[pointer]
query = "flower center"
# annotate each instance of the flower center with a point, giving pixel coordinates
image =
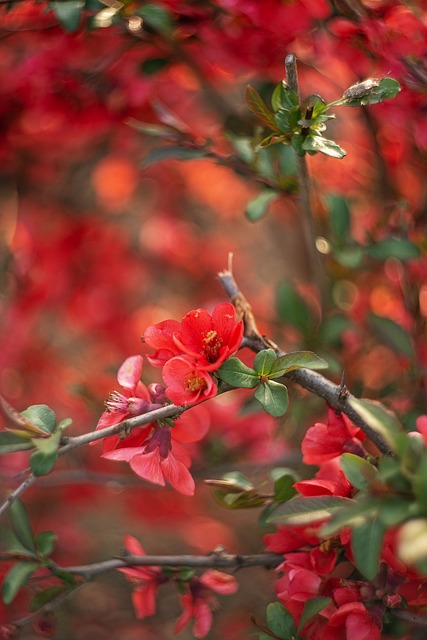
(194, 383)
(212, 345)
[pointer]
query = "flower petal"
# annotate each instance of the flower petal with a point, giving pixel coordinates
(130, 372)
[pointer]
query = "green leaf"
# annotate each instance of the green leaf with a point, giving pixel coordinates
(358, 471)
(237, 374)
(292, 308)
(391, 334)
(317, 143)
(21, 525)
(305, 510)
(274, 398)
(258, 206)
(172, 153)
(350, 255)
(48, 446)
(284, 489)
(156, 17)
(42, 463)
(371, 91)
(11, 442)
(153, 65)
(399, 248)
(283, 97)
(395, 510)
(45, 542)
(353, 513)
(311, 608)
(280, 621)
(296, 360)
(366, 542)
(15, 578)
(258, 107)
(43, 597)
(380, 419)
(264, 361)
(68, 13)
(64, 424)
(41, 416)
(339, 216)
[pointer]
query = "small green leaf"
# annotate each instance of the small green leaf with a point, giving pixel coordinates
(68, 13)
(274, 398)
(48, 446)
(16, 548)
(350, 255)
(172, 153)
(296, 360)
(280, 621)
(41, 415)
(21, 525)
(11, 442)
(258, 107)
(379, 418)
(64, 424)
(311, 608)
(15, 578)
(284, 488)
(358, 471)
(43, 597)
(366, 542)
(156, 17)
(153, 65)
(283, 97)
(391, 334)
(292, 308)
(237, 374)
(305, 510)
(45, 542)
(353, 513)
(371, 91)
(330, 148)
(399, 248)
(264, 361)
(258, 206)
(42, 463)
(339, 216)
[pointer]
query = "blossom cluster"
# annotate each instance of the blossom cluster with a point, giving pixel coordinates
(317, 565)
(189, 351)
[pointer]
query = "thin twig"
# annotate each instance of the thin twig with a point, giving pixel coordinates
(304, 192)
(218, 560)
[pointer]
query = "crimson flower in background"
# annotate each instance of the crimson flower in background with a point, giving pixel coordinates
(145, 581)
(323, 442)
(199, 602)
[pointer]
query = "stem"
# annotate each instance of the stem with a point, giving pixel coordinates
(304, 198)
(213, 560)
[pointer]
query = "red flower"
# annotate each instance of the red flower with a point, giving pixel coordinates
(329, 480)
(199, 602)
(211, 339)
(134, 400)
(323, 442)
(145, 581)
(159, 459)
(352, 621)
(186, 382)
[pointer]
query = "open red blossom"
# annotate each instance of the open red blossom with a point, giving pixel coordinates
(352, 621)
(158, 460)
(186, 382)
(199, 602)
(145, 581)
(210, 339)
(329, 480)
(160, 337)
(323, 442)
(134, 400)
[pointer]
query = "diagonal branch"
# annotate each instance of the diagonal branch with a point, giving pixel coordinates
(335, 395)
